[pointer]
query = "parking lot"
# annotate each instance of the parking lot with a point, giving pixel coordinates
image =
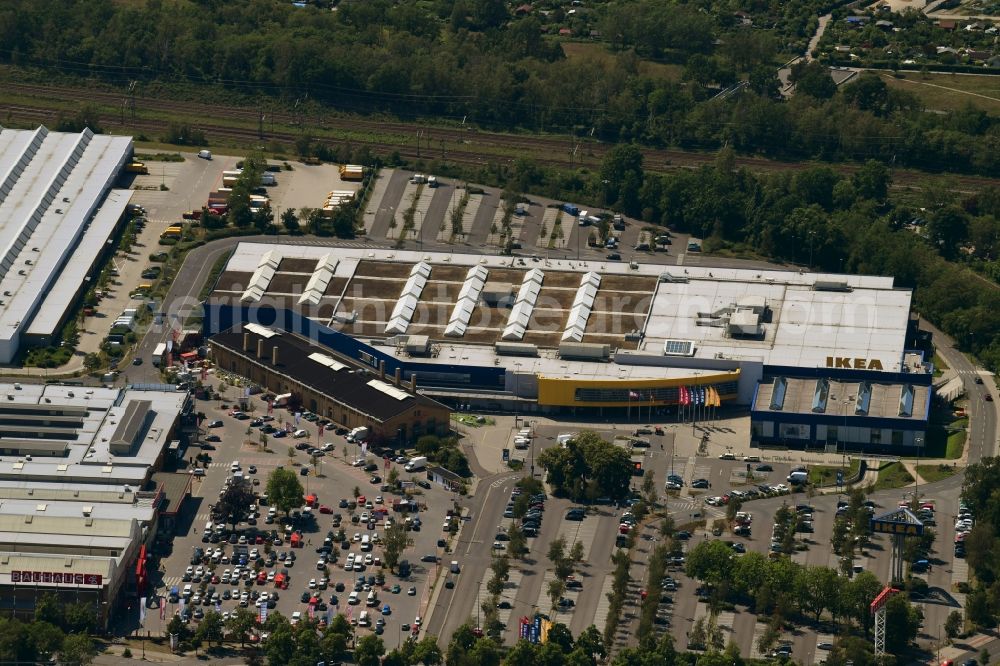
(706, 484)
(332, 482)
(534, 232)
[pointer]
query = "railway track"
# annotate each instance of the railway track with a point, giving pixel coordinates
(460, 145)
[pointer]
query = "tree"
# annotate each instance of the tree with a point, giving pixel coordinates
(576, 552)
(819, 589)
(556, 589)
(78, 649)
(427, 652)
(290, 221)
(92, 362)
(263, 219)
(649, 487)
(953, 624)
(517, 543)
(234, 505)
(764, 81)
(592, 643)
(284, 490)
(902, 622)
(46, 638)
(210, 629)
(622, 177)
(395, 541)
(49, 609)
(368, 651)
(709, 561)
(812, 78)
(241, 623)
(872, 180)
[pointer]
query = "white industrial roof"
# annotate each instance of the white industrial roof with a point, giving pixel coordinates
(51, 185)
(805, 327)
(90, 459)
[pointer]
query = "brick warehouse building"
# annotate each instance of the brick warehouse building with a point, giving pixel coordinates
(348, 394)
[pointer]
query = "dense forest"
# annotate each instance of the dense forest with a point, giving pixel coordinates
(652, 72)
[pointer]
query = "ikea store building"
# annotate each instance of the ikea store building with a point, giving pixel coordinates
(816, 359)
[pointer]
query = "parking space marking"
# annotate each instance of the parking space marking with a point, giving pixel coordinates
(759, 629)
(409, 194)
(171, 581)
(725, 622)
(549, 218)
(375, 201)
(583, 531)
(497, 223)
(819, 656)
(959, 571)
(603, 604)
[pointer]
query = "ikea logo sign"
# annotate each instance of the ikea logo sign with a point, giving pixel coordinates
(853, 363)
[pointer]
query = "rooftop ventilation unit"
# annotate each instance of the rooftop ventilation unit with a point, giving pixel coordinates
(831, 285)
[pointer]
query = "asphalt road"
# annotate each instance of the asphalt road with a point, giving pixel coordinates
(982, 439)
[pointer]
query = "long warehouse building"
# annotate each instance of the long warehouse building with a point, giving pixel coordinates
(57, 212)
(622, 340)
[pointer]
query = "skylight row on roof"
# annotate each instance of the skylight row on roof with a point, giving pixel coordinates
(467, 300)
(399, 321)
(524, 304)
(262, 277)
(321, 277)
(579, 314)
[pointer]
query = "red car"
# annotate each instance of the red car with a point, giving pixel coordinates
(361, 500)
(323, 508)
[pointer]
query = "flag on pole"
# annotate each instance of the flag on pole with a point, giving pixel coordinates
(683, 396)
(716, 401)
(142, 610)
(163, 608)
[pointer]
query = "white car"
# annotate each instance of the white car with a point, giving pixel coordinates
(300, 433)
(417, 621)
(379, 499)
(312, 583)
(360, 462)
(329, 446)
(368, 559)
(244, 600)
(296, 617)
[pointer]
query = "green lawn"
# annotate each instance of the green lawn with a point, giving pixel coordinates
(824, 475)
(939, 365)
(893, 475)
(932, 473)
(472, 421)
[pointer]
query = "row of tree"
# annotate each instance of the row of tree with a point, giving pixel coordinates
(782, 590)
(505, 73)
